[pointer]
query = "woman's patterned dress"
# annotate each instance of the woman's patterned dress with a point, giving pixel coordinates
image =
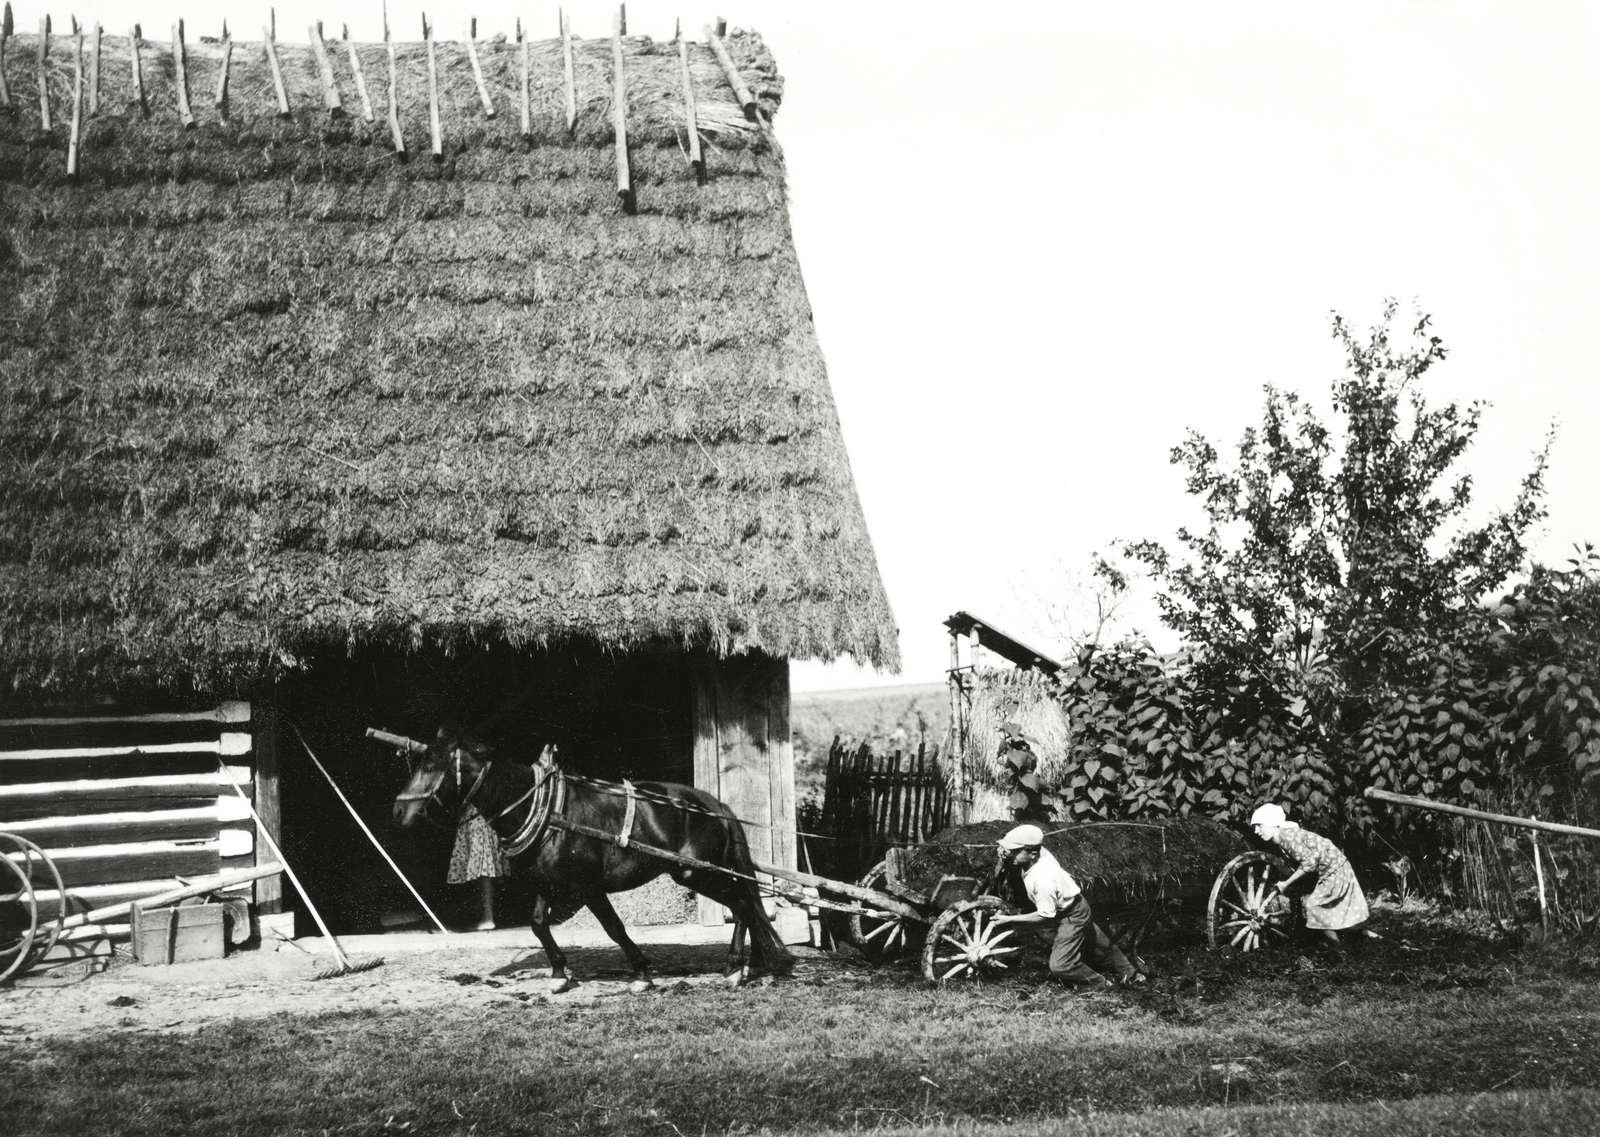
(1335, 901)
(477, 852)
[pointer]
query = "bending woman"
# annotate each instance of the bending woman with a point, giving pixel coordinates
(1335, 902)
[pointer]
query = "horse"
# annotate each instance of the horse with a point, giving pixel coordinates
(551, 825)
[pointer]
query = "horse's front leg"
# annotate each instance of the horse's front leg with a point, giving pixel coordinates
(559, 979)
(600, 905)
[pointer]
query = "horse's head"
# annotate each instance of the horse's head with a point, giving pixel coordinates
(444, 777)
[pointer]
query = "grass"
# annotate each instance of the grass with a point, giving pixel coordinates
(1438, 1030)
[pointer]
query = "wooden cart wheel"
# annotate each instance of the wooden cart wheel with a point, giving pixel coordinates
(885, 937)
(1243, 912)
(965, 944)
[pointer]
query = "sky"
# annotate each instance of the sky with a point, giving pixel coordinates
(1044, 240)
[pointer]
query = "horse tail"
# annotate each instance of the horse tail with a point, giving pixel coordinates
(766, 948)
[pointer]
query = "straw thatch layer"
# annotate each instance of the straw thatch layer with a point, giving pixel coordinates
(265, 390)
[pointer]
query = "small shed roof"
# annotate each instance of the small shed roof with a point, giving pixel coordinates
(1003, 644)
(266, 389)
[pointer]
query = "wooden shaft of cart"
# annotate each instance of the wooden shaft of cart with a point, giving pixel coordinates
(879, 900)
(1481, 815)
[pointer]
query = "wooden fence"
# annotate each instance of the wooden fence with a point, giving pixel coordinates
(873, 802)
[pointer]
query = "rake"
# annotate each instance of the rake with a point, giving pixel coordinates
(345, 966)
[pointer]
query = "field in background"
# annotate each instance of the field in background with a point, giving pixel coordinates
(867, 714)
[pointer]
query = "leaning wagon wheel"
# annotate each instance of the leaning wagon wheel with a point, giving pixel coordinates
(1244, 912)
(964, 942)
(16, 952)
(883, 936)
(30, 853)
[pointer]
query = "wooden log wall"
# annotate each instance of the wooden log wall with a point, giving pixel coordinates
(128, 806)
(872, 803)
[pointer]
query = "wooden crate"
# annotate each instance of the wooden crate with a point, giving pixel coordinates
(178, 935)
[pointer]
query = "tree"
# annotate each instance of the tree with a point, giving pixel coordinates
(1335, 562)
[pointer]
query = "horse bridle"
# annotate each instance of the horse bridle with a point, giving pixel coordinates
(433, 794)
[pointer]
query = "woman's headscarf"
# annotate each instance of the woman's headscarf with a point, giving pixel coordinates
(1272, 815)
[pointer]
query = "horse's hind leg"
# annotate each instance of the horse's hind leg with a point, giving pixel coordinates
(559, 979)
(738, 958)
(600, 905)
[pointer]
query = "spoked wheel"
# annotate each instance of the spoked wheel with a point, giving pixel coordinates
(964, 942)
(884, 936)
(1244, 912)
(20, 941)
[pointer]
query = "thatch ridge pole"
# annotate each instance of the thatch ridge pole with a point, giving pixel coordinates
(227, 61)
(361, 77)
(77, 101)
(44, 80)
(696, 160)
(181, 77)
(735, 80)
(435, 134)
(526, 94)
(619, 113)
(135, 33)
(477, 68)
(572, 84)
(330, 88)
(6, 27)
(94, 71)
(268, 39)
(394, 108)
(1481, 815)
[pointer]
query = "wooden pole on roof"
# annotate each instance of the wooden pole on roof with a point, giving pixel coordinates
(6, 28)
(77, 100)
(477, 68)
(44, 78)
(525, 84)
(361, 78)
(94, 71)
(619, 114)
(134, 35)
(330, 87)
(269, 38)
(394, 105)
(435, 134)
(696, 160)
(227, 61)
(735, 80)
(572, 85)
(722, 26)
(622, 19)
(180, 77)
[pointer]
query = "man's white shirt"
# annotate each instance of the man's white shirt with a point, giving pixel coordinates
(1050, 887)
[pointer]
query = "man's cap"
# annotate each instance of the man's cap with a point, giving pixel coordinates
(1022, 837)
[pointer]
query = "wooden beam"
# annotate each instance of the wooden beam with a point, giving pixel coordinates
(330, 88)
(571, 82)
(696, 161)
(268, 801)
(477, 69)
(735, 80)
(6, 27)
(77, 102)
(141, 860)
(269, 42)
(94, 71)
(707, 752)
(619, 115)
(525, 84)
(157, 898)
(180, 77)
(229, 745)
(44, 74)
(134, 34)
(1480, 815)
(435, 134)
(395, 134)
(232, 711)
(222, 74)
(196, 823)
(361, 77)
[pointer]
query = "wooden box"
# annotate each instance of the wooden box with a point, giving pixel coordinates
(178, 935)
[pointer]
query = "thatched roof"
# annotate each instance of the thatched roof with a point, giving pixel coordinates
(267, 390)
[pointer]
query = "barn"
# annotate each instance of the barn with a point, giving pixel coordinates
(390, 384)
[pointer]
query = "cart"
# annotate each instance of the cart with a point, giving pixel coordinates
(1187, 874)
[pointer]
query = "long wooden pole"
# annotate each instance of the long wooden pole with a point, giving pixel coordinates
(382, 852)
(196, 888)
(691, 121)
(619, 112)
(6, 28)
(180, 77)
(435, 133)
(361, 78)
(1481, 815)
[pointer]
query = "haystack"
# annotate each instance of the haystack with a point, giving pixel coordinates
(1114, 862)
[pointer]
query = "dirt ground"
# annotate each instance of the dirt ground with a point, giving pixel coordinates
(187, 996)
